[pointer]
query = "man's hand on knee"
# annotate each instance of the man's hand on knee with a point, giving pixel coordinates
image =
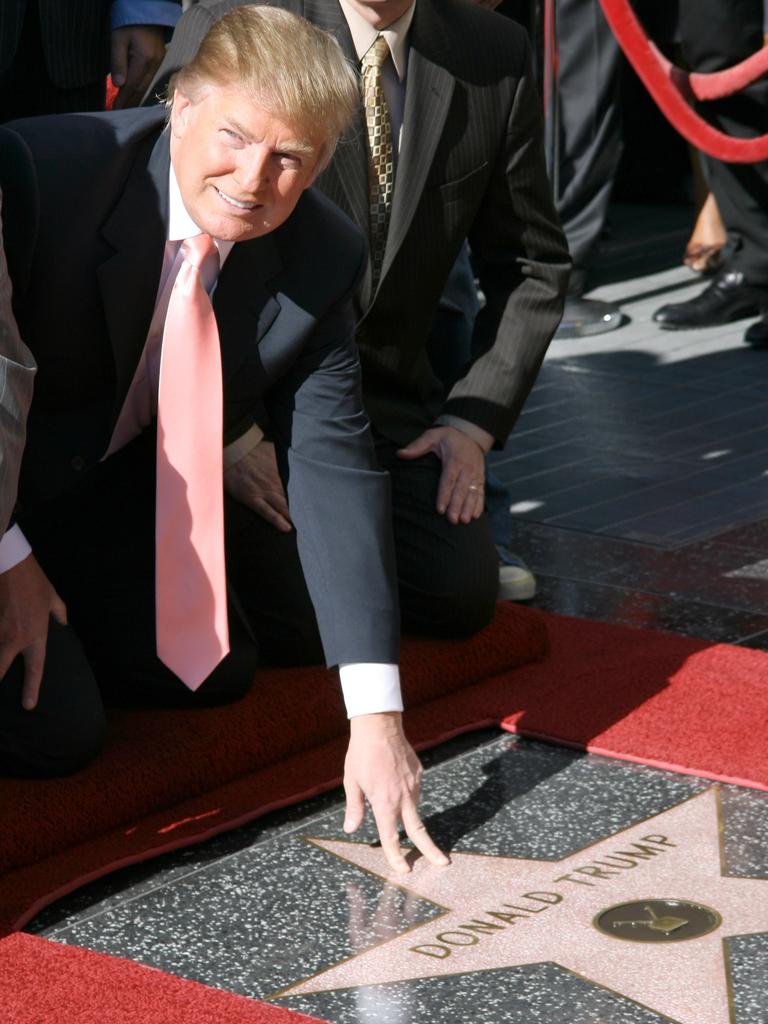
(382, 766)
(255, 483)
(461, 492)
(27, 600)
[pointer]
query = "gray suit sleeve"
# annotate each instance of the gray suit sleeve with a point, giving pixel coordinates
(17, 370)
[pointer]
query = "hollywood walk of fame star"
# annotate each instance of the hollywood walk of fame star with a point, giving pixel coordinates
(510, 912)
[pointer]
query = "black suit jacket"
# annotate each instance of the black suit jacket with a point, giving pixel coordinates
(85, 250)
(471, 165)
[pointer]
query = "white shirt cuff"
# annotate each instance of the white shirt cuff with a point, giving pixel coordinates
(482, 437)
(370, 688)
(243, 446)
(14, 548)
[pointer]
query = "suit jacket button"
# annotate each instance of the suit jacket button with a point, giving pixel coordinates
(78, 463)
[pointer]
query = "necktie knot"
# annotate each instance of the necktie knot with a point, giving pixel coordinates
(199, 249)
(376, 54)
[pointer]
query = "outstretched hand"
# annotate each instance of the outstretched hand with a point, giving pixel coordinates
(255, 482)
(382, 766)
(27, 600)
(461, 491)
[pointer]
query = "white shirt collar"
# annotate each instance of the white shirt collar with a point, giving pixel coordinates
(181, 225)
(364, 35)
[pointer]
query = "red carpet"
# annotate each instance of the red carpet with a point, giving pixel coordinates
(661, 700)
(43, 982)
(171, 778)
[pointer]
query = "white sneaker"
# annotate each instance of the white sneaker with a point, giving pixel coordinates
(516, 581)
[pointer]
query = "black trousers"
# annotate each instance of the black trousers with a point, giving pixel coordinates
(716, 34)
(590, 142)
(96, 544)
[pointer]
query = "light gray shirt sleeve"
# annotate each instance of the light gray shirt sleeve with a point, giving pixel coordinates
(17, 371)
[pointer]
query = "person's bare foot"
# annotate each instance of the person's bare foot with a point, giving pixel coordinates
(702, 253)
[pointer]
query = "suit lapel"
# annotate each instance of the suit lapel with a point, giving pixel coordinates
(244, 306)
(136, 230)
(428, 93)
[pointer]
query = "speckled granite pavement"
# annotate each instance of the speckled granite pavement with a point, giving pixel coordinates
(544, 841)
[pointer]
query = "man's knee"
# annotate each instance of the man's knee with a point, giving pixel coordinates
(454, 596)
(67, 728)
(40, 746)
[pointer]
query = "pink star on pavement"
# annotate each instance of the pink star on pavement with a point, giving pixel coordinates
(508, 912)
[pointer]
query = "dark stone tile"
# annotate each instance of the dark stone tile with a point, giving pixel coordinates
(734, 367)
(568, 553)
(523, 442)
(659, 509)
(544, 396)
(696, 413)
(751, 442)
(524, 460)
(757, 640)
(699, 518)
(706, 572)
(620, 367)
(749, 537)
(627, 606)
(557, 414)
(560, 492)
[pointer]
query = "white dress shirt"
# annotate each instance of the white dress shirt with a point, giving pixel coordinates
(367, 688)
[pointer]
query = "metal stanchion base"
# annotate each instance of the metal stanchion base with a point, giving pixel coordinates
(584, 317)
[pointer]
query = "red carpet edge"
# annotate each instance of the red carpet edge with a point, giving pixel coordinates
(45, 981)
(635, 695)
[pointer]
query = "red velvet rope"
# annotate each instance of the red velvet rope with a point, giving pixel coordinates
(672, 88)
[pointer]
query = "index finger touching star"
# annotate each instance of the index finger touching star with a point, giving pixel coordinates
(417, 832)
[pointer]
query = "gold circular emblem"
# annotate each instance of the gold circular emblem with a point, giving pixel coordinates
(657, 921)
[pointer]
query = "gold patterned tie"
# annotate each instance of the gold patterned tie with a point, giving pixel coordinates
(381, 174)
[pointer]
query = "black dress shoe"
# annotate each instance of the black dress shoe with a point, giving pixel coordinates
(729, 297)
(585, 317)
(757, 334)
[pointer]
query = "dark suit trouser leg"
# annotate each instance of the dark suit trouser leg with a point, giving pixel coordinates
(590, 127)
(66, 730)
(716, 34)
(448, 575)
(97, 548)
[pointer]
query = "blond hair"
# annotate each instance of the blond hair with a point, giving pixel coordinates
(284, 64)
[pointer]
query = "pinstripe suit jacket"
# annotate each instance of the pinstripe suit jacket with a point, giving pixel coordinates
(471, 165)
(74, 36)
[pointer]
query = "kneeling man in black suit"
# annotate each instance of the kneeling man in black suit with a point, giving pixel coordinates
(103, 216)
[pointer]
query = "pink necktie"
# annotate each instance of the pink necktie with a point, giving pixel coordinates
(190, 582)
